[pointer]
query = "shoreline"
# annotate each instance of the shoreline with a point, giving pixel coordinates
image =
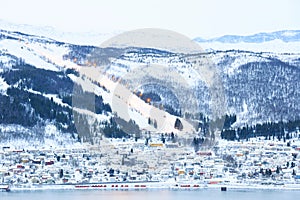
(155, 186)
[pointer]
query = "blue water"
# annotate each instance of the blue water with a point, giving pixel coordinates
(151, 195)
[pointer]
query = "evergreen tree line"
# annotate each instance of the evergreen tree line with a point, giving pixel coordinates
(269, 130)
(29, 109)
(44, 81)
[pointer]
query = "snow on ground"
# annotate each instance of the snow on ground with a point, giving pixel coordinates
(90, 87)
(120, 97)
(53, 56)
(3, 86)
(242, 61)
(6, 62)
(242, 117)
(137, 66)
(93, 116)
(56, 99)
(53, 137)
(237, 59)
(58, 50)
(4, 59)
(289, 58)
(123, 100)
(20, 50)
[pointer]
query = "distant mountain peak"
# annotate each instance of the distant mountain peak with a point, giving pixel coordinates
(284, 35)
(72, 37)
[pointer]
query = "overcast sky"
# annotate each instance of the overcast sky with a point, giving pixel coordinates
(192, 18)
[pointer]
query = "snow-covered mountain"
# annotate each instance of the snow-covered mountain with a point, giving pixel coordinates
(287, 41)
(79, 38)
(43, 83)
(285, 36)
(46, 83)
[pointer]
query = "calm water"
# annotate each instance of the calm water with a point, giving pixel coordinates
(150, 195)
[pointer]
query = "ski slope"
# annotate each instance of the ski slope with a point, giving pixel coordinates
(118, 99)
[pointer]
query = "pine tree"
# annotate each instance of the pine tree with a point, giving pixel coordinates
(178, 125)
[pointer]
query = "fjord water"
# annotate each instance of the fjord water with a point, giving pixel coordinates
(151, 195)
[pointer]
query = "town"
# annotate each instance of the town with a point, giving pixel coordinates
(118, 163)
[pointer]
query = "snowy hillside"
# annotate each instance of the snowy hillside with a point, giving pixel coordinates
(50, 83)
(38, 68)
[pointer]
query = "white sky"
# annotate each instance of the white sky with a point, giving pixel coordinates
(192, 18)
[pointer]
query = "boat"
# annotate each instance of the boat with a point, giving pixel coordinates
(4, 188)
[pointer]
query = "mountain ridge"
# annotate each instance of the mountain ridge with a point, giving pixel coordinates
(260, 87)
(283, 35)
